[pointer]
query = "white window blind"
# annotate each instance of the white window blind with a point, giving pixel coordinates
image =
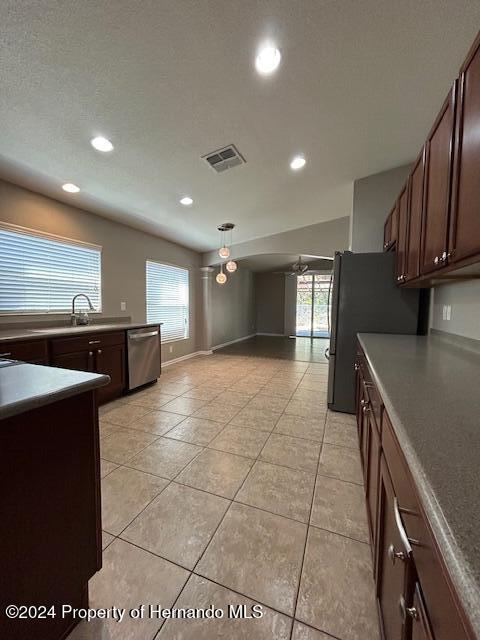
(41, 273)
(167, 299)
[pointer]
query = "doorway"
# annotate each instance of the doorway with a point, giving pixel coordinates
(313, 305)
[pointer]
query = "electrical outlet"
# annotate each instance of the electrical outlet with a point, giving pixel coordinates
(170, 348)
(123, 306)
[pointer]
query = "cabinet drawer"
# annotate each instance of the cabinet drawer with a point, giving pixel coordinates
(26, 351)
(86, 342)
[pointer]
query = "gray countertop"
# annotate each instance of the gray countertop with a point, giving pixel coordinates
(11, 334)
(28, 386)
(431, 392)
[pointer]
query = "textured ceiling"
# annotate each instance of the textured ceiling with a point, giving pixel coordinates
(359, 86)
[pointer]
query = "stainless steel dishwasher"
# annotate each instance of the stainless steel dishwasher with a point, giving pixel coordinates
(143, 352)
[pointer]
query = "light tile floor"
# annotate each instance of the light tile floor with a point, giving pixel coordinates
(230, 483)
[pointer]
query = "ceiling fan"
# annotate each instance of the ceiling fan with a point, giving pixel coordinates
(297, 269)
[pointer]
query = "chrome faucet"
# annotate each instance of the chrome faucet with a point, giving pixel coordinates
(84, 320)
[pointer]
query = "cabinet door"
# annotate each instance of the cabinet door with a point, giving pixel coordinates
(465, 220)
(438, 180)
(81, 361)
(394, 225)
(421, 629)
(372, 474)
(402, 235)
(415, 214)
(111, 361)
(392, 573)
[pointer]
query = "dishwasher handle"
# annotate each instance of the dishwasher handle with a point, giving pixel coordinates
(140, 336)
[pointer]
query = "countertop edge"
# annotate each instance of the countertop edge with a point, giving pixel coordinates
(37, 401)
(455, 562)
(37, 334)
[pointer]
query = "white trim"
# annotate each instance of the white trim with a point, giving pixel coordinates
(225, 344)
(281, 335)
(15, 228)
(186, 357)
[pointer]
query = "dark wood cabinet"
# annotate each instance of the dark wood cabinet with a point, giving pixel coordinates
(438, 180)
(387, 233)
(415, 216)
(96, 352)
(393, 564)
(111, 361)
(32, 351)
(415, 596)
(372, 472)
(421, 629)
(402, 216)
(80, 360)
(465, 220)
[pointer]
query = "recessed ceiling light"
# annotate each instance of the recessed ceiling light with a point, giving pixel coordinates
(101, 144)
(267, 60)
(186, 201)
(70, 187)
(297, 162)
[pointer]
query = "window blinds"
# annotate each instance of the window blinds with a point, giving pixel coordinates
(167, 299)
(41, 274)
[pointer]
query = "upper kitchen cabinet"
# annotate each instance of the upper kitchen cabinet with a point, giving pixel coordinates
(465, 221)
(438, 173)
(402, 234)
(415, 215)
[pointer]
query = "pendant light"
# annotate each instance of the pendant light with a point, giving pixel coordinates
(231, 266)
(221, 278)
(224, 253)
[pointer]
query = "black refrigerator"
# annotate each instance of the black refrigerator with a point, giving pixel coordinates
(365, 299)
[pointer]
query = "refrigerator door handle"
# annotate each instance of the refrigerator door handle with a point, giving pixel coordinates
(327, 353)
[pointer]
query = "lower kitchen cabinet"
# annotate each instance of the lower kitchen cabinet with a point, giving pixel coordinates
(415, 596)
(31, 351)
(96, 352)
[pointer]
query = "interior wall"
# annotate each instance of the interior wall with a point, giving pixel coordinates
(373, 199)
(321, 239)
(464, 301)
(124, 252)
(233, 308)
(270, 303)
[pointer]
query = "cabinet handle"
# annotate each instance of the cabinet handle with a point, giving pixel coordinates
(5, 355)
(394, 555)
(90, 354)
(405, 611)
(368, 385)
(99, 351)
(401, 530)
(356, 367)
(436, 260)
(95, 342)
(443, 257)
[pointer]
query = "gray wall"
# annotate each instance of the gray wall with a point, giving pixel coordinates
(233, 308)
(321, 239)
(464, 299)
(125, 251)
(373, 199)
(270, 302)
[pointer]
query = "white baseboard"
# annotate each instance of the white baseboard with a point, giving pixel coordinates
(225, 344)
(186, 357)
(278, 335)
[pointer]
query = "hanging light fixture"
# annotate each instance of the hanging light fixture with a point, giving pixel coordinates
(231, 266)
(221, 278)
(224, 251)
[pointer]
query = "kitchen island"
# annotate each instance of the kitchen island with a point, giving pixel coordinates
(50, 495)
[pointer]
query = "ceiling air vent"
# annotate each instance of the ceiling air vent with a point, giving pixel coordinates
(225, 158)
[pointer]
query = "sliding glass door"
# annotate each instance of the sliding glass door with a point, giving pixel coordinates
(313, 305)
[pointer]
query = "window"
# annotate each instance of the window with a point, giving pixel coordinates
(40, 273)
(167, 299)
